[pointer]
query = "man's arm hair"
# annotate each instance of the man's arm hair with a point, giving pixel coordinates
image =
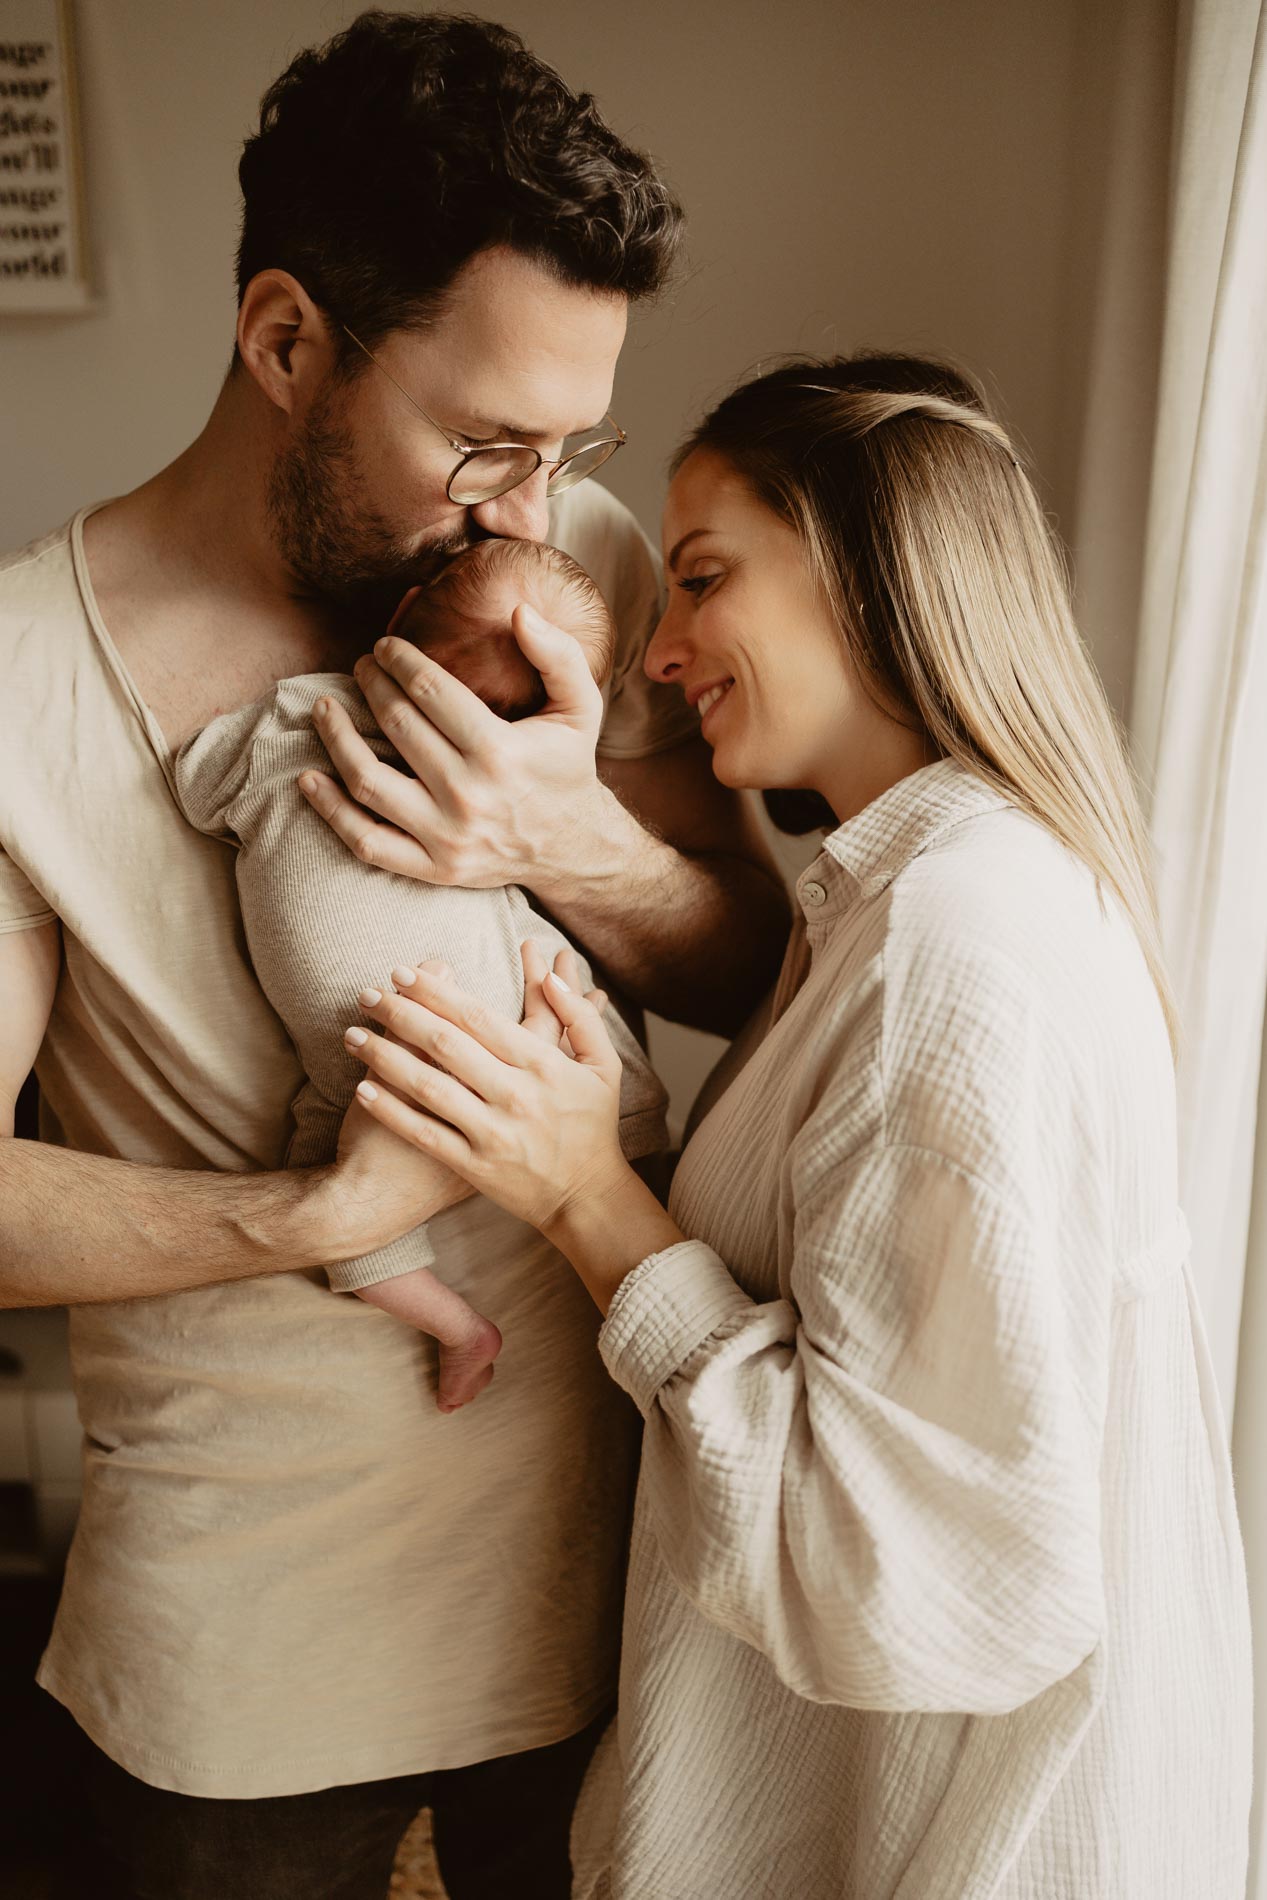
(77, 1228)
(682, 903)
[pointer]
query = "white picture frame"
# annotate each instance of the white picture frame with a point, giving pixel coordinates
(44, 267)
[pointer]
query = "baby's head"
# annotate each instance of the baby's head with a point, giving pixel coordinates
(462, 619)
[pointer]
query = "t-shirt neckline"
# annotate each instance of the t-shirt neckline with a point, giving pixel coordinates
(110, 652)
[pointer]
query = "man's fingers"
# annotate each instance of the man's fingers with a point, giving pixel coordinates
(367, 838)
(402, 798)
(426, 688)
(570, 690)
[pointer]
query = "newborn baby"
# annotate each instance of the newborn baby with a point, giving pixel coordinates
(320, 925)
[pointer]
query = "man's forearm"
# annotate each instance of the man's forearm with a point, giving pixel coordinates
(695, 936)
(79, 1228)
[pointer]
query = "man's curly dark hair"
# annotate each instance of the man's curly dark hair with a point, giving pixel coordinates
(408, 143)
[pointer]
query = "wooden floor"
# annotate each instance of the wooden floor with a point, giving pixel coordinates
(416, 1876)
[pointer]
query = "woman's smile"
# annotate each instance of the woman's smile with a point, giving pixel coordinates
(708, 699)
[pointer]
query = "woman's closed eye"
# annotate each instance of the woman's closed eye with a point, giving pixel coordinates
(696, 583)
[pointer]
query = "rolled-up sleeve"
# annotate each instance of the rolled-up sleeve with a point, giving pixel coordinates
(886, 1482)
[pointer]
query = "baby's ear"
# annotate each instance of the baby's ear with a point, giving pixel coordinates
(401, 610)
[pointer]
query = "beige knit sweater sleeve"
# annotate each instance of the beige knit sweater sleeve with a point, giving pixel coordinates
(320, 926)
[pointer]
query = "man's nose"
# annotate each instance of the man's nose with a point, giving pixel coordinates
(518, 515)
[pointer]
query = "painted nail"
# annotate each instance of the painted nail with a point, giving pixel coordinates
(403, 978)
(367, 1091)
(558, 982)
(356, 1037)
(370, 998)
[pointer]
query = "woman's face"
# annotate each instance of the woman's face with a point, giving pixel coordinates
(753, 646)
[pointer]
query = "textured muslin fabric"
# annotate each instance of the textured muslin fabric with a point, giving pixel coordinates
(320, 925)
(290, 1570)
(936, 1588)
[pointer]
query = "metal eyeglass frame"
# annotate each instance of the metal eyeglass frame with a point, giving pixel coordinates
(468, 451)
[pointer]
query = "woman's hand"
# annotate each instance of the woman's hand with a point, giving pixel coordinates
(531, 1125)
(379, 1187)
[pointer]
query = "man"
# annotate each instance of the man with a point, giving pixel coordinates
(300, 1602)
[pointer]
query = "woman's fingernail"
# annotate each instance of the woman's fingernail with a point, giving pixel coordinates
(367, 1091)
(356, 1037)
(558, 982)
(308, 784)
(403, 978)
(321, 708)
(370, 998)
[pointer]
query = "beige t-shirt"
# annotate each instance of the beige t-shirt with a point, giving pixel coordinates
(290, 1570)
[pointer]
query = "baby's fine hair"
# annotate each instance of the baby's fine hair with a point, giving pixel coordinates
(565, 588)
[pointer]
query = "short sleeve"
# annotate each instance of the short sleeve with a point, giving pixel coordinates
(21, 905)
(642, 717)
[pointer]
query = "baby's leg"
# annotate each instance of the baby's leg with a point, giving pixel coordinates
(468, 1342)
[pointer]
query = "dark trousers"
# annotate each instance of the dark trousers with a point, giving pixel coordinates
(501, 1833)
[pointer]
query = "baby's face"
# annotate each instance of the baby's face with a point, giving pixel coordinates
(464, 623)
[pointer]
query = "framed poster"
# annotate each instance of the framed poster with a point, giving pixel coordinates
(43, 261)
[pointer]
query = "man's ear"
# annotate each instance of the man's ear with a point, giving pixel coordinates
(283, 339)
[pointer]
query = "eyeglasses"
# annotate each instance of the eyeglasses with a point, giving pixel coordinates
(489, 469)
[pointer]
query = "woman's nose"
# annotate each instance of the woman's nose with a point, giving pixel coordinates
(518, 515)
(666, 653)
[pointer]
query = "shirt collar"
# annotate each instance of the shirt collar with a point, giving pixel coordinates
(892, 830)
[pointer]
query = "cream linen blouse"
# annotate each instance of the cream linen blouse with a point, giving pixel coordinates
(936, 1587)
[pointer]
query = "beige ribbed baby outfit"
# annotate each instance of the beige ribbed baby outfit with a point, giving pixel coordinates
(936, 1590)
(320, 926)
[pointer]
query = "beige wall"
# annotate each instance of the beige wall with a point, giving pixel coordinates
(977, 177)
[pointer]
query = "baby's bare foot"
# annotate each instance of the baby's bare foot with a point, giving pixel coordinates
(466, 1365)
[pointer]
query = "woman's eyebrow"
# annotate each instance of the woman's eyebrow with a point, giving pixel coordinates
(676, 551)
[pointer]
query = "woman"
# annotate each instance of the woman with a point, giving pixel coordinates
(936, 1587)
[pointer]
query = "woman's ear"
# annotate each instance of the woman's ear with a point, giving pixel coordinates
(283, 339)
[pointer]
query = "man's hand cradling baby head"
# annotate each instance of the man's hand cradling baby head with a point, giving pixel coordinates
(463, 619)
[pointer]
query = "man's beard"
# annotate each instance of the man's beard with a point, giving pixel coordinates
(335, 545)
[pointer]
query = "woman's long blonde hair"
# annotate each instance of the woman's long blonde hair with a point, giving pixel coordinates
(927, 539)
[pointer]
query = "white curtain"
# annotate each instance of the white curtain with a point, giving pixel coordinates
(1199, 715)
(1199, 721)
